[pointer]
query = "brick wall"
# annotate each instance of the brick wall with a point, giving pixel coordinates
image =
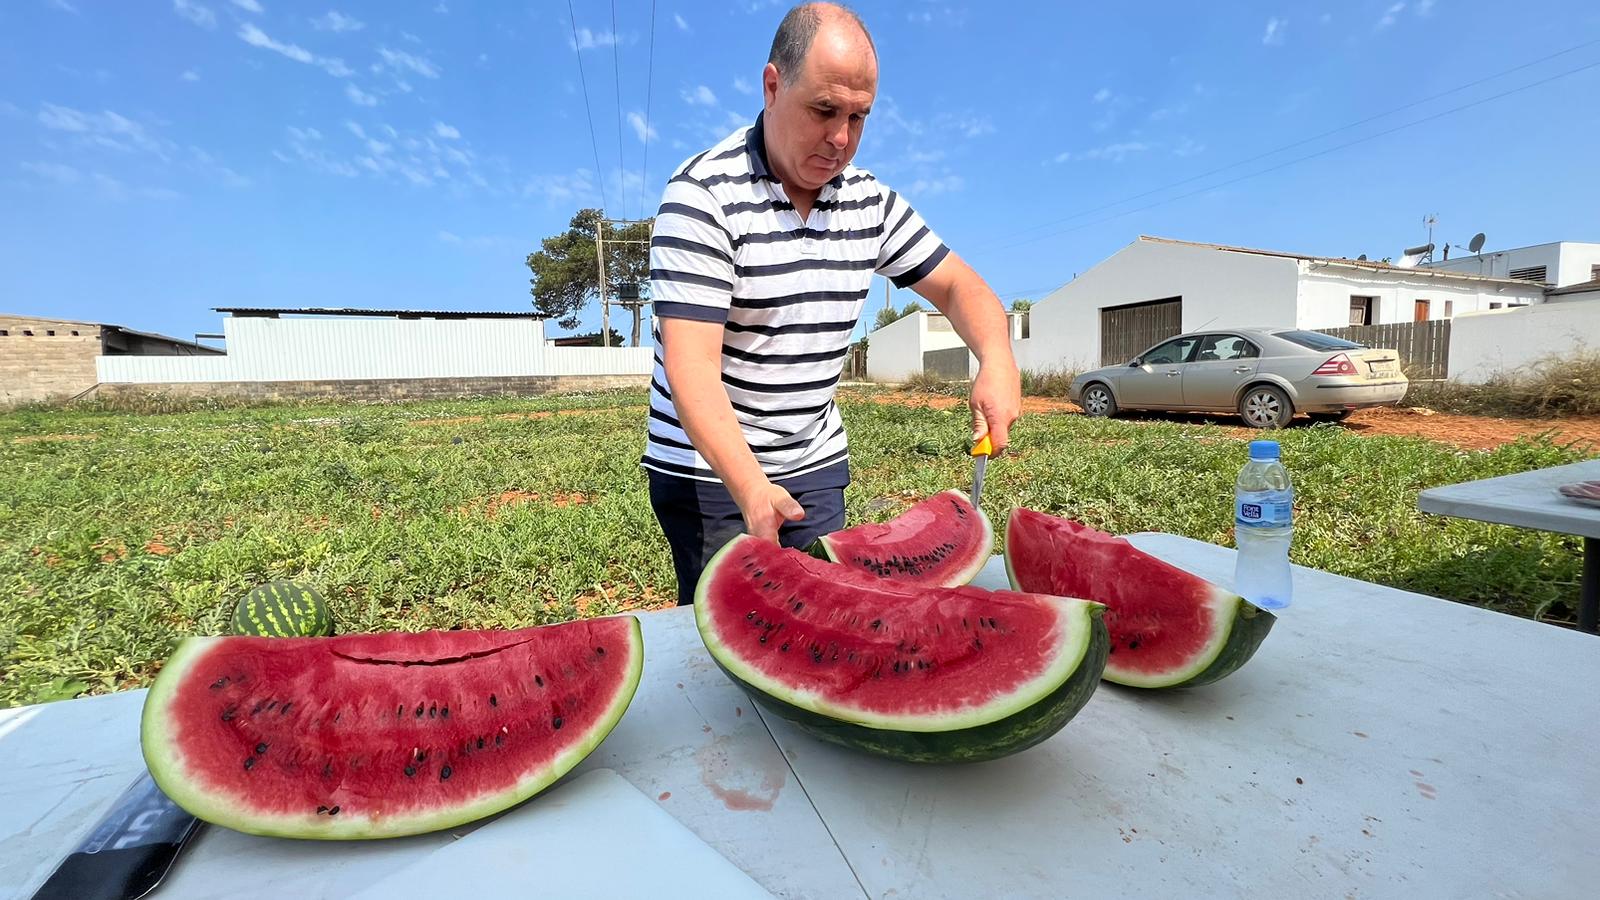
(378, 390)
(42, 365)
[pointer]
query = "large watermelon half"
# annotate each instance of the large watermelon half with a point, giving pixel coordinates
(941, 541)
(937, 675)
(1168, 628)
(380, 735)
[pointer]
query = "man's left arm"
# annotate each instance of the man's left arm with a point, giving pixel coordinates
(980, 319)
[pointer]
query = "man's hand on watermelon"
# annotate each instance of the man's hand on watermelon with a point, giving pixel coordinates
(979, 318)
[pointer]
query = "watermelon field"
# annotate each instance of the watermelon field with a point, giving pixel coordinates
(126, 530)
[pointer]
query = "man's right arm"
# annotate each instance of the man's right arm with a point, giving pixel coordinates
(691, 283)
(692, 353)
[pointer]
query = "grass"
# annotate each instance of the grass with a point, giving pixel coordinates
(1565, 385)
(126, 530)
(1035, 383)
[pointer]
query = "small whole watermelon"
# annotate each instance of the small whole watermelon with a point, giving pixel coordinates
(283, 609)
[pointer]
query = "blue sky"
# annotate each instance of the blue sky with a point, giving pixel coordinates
(162, 157)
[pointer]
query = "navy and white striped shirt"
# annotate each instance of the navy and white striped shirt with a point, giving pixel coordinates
(729, 247)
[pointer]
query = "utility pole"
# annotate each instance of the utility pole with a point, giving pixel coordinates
(600, 259)
(631, 302)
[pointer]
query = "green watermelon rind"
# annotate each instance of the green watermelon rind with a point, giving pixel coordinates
(167, 767)
(822, 548)
(1244, 627)
(1013, 734)
(274, 610)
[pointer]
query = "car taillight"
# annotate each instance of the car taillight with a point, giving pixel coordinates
(1338, 365)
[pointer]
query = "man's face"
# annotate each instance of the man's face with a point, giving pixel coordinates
(813, 125)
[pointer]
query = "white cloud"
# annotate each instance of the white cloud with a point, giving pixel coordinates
(446, 131)
(1102, 95)
(190, 75)
(743, 86)
(1391, 14)
(643, 129)
(398, 60)
(1325, 18)
(699, 96)
(249, 5)
(1274, 34)
(1110, 152)
(255, 37)
(1425, 7)
(592, 40)
(64, 6)
(337, 22)
(930, 187)
(378, 148)
(104, 129)
(355, 129)
(449, 238)
(194, 12)
(561, 190)
(682, 25)
(56, 172)
(305, 134)
(1188, 146)
(969, 126)
(442, 9)
(358, 96)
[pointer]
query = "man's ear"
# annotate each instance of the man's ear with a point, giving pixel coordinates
(769, 83)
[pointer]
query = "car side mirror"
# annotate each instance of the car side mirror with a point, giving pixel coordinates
(1135, 363)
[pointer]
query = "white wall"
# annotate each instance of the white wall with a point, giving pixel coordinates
(311, 349)
(1219, 289)
(1565, 262)
(1325, 293)
(1483, 344)
(894, 352)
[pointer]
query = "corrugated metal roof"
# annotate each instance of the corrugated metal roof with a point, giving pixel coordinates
(1344, 262)
(1582, 287)
(273, 312)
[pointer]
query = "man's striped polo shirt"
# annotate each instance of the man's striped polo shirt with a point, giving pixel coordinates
(729, 247)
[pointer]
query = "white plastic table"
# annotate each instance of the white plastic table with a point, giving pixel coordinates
(1530, 500)
(1381, 744)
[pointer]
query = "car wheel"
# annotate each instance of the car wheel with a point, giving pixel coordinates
(1264, 406)
(1339, 416)
(1098, 402)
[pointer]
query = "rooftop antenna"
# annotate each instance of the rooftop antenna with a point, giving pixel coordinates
(1476, 244)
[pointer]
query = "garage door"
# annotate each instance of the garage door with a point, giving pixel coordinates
(1126, 331)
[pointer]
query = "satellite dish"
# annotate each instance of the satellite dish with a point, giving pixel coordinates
(1424, 250)
(1362, 257)
(1476, 243)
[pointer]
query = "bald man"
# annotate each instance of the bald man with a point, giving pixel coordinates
(764, 250)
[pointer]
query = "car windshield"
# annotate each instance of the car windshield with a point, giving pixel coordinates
(1316, 340)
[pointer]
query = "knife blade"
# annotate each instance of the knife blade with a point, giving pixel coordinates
(128, 852)
(980, 454)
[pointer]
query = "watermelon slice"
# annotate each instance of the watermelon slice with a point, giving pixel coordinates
(939, 675)
(380, 735)
(1168, 628)
(942, 541)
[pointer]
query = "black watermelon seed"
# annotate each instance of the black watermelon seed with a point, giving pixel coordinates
(493, 701)
(444, 773)
(499, 739)
(444, 712)
(285, 710)
(249, 763)
(261, 748)
(480, 743)
(1133, 645)
(600, 651)
(876, 624)
(220, 683)
(227, 714)
(321, 810)
(433, 711)
(334, 811)
(419, 710)
(337, 715)
(410, 771)
(327, 770)
(399, 710)
(538, 680)
(556, 723)
(271, 704)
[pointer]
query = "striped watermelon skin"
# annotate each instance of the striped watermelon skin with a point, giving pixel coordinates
(283, 609)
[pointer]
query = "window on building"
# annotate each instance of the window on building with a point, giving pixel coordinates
(1495, 305)
(4, 333)
(74, 332)
(1594, 273)
(1361, 310)
(1449, 308)
(50, 333)
(1422, 309)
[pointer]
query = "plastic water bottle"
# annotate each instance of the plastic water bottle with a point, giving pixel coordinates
(1263, 517)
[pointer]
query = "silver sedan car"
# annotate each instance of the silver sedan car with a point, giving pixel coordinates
(1263, 375)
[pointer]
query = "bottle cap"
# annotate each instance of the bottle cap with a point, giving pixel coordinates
(1263, 449)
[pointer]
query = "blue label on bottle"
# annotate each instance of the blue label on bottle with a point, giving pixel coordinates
(1264, 510)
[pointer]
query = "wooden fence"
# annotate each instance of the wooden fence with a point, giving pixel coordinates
(1423, 347)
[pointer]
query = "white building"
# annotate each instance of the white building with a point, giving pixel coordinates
(898, 350)
(1562, 263)
(400, 348)
(1157, 287)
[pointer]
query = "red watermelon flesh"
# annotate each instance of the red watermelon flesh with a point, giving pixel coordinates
(837, 643)
(1168, 627)
(379, 735)
(941, 541)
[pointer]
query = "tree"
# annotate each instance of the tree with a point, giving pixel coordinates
(1021, 305)
(566, 275)
(890, 314)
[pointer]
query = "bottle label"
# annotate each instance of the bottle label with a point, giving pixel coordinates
(1264, 510)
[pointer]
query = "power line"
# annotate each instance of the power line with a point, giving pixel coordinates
(594, 145)
(1309, 156)
(649, 84)
(616, 72)
(1290, 146)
